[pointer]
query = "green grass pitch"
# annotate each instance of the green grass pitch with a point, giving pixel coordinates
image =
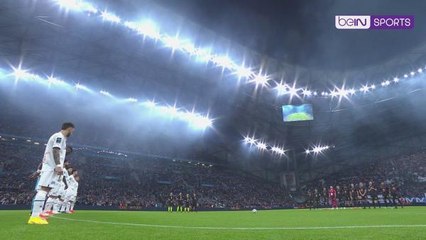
(301, 116)
(407, 223)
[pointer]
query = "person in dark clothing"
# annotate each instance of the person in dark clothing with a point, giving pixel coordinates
(372, 191)
(396, 197)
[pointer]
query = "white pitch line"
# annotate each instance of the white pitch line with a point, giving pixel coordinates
(243, 228)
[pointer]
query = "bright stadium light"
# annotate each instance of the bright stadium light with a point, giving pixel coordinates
(281, 89)
(364, 89)
(146, 28)
(306, 93)
(293, 90)
(201, 122)
(171, 42)
(264, 146)
(203, 55)
(261, 145)
(395, 79)
(317, 149)
(54, 81)
(89, 7)
(79, 86)
(110, 17)
(105, 93)
(243, 72)
(373, 86)
(249, 140)
(132, 100)
(278, 150)
(385, 83)
(197, 120)
(340, 92)
(19, 73)
(261, 80)
(69, 4)
(223, 61)
(189, 48)
(76, 5)
(149, 103)
(172, 110)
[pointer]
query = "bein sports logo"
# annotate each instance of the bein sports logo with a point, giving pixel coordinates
(352, 22)
(374, 22)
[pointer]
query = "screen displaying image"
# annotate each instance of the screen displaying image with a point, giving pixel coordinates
(293, 113)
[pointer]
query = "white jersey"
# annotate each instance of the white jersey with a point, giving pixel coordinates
(72, 186)
(57, 140)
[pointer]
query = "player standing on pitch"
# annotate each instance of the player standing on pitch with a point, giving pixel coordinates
(53, 167)
(194, 204)
(333, 197)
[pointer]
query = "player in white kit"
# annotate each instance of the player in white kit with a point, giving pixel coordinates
(56, 195)
(71, 192)
(52, 169)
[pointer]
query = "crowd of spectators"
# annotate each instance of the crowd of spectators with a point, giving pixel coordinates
(111, 179)
(115, 179)
(406, 174)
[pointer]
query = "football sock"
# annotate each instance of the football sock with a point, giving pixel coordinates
(38, 203)
(49, 204)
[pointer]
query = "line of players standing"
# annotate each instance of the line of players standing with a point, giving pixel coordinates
(181, 203)
(355, 195)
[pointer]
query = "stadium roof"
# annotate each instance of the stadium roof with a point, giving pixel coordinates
(51, 40)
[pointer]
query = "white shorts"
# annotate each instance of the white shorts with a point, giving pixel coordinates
(47, 179)
(70, 197)
(62, 192)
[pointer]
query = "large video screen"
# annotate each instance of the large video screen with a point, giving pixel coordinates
(293, 113)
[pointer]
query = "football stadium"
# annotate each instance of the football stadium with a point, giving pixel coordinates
(212, 119)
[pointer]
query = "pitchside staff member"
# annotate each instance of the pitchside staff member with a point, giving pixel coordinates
(348, 196)
(187, 203)
(372, 191)
(385, 193)
(180, 203)
(396, 197)
(317, 198)
(324, 197)
(341, 196)
(362, 195)
(353, 195)
(309, 200)
(194, 204)
(170, 202)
